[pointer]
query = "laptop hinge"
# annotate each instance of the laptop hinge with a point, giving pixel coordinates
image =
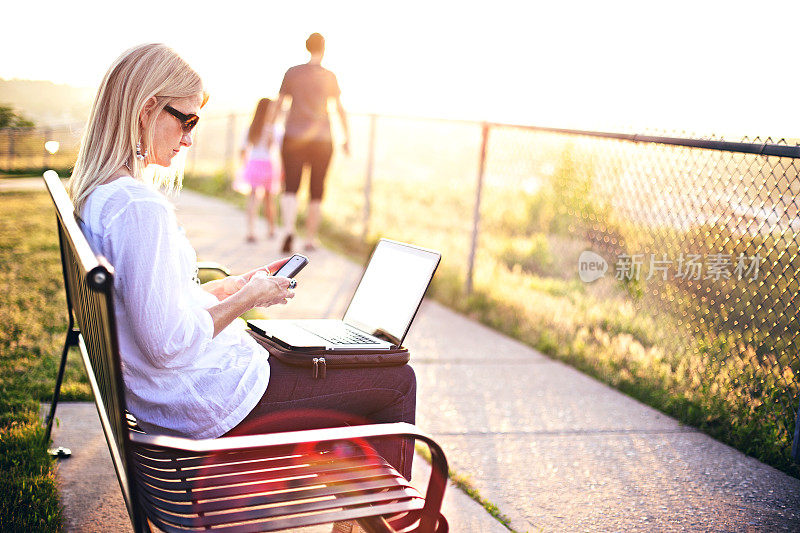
(391, 339)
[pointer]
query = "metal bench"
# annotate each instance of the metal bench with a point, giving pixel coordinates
(252, 483)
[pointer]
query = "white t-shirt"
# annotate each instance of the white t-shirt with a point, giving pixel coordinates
(178, 379)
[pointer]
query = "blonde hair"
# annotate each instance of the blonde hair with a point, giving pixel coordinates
(114, 128)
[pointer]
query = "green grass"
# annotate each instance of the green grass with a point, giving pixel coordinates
(32, 311)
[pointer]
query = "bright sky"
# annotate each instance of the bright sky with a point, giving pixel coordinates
(700, 66)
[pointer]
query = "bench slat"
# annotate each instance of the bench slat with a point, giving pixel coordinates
(290, 522)
(201, 479)
(253, 498)
(182, 492)
(290, 508)
(227, 463)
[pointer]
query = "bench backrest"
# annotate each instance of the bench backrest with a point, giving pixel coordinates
(89, 282)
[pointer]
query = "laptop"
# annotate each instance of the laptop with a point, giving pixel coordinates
(380, 312)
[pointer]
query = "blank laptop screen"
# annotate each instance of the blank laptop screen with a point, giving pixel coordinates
(389, 294)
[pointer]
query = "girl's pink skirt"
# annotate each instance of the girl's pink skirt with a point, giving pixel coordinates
(258, 173)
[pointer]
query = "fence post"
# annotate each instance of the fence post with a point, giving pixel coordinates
(368, 180)
(6, 150)
(12, 155)
(230, 145)
(47, 134)
(476, 217)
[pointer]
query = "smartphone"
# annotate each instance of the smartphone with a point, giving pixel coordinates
(294, 265)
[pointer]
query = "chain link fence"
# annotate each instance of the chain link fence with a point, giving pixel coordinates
(26, 149)
(666, 267)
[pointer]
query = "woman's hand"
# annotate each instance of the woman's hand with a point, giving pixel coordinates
(270, 268)
(230, 285)
(264, 290)
(224, 287)
(260, 290)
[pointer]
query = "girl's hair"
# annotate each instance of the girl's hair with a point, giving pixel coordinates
(114, 127)
(259, 119)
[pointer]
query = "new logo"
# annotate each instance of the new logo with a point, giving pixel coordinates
(591, 266)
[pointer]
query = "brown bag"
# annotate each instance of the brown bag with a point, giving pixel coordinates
(320, 360)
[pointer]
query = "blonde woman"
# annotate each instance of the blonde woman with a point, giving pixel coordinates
(189, 367)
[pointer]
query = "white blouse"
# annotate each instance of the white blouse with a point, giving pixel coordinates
(179, 380)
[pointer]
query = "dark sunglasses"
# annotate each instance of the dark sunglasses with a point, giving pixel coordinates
(188, 122)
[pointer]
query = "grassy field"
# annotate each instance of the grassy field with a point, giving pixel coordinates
(32, 311)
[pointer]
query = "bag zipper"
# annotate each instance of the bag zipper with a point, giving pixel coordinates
(320, 368)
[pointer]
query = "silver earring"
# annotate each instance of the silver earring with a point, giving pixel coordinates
(139, 154)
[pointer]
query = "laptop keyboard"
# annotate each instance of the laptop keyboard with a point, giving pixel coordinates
(345, 336)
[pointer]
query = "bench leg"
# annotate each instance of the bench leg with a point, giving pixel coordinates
(141, 524)
(374, 524)
(71, 340)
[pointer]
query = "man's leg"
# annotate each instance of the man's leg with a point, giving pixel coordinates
(319, 157)
(292, 156)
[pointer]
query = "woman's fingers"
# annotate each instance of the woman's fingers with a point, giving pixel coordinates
(271, 290)
(282, 282)
(275, 265)
(248, 275)
(267, 269)
(232, 285)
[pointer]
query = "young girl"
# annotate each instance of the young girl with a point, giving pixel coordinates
(260, 169)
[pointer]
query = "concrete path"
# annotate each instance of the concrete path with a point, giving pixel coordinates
(554, 449)
(21, 184)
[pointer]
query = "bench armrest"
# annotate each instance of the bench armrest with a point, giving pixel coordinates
(208, 270)
(437, 482)
(280, 439)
